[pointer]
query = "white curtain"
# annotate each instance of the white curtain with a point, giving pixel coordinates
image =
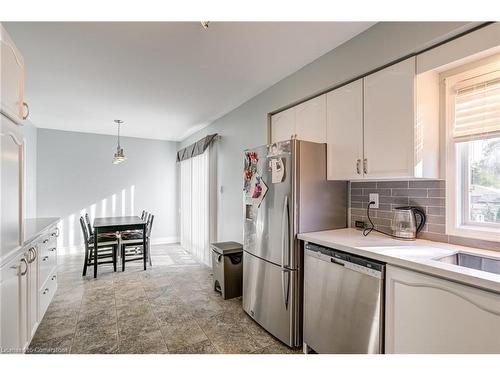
(195, 206)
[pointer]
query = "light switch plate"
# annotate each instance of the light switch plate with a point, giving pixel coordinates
(374, 198)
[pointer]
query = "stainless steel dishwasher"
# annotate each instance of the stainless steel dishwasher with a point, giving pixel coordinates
(343, 302)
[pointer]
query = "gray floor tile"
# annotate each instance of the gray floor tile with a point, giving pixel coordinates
(170, 308)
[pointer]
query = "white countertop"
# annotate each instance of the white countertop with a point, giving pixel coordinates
(33, 227)
(418, 255)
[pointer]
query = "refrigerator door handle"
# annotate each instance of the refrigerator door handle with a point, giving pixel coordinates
(285, 285)
(285, 235)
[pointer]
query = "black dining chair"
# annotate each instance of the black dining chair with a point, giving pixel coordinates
(106, 249)
(102, 236)
(132, 244)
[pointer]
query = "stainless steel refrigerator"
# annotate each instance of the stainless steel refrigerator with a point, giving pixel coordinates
(285, 193)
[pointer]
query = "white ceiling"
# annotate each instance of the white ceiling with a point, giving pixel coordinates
(165, 80)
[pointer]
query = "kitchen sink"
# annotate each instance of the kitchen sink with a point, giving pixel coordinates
(476, 262)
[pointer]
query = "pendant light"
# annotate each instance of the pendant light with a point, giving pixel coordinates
(119, 156)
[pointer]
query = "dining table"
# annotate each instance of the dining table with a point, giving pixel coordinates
(118, 224)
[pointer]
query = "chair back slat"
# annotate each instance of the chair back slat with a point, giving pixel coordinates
(89, 226)
(143, 215)
(149, 225)
(84, 229)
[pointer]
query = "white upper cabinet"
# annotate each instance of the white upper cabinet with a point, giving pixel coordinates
(385, 125)
(345, 132)
(283, 125)
(389, 121)
(305, 121)
(11, 79)
(310, 120)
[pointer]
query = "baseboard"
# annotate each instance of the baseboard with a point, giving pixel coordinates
(164, 240)
(154, 241)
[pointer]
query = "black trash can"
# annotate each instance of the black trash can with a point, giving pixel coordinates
(227, 265)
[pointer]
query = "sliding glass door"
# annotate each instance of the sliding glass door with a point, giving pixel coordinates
(195, 205)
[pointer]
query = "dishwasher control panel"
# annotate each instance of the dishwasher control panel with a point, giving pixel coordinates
(347, 260)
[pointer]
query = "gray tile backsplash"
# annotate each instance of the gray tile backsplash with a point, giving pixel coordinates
(429, 195)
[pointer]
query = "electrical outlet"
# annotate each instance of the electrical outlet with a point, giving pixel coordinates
(360, 224)
(374, 198)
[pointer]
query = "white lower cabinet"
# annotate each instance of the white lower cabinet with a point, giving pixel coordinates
(32, 296)
(13, 306)
(46, 293)
(28, 283)
(426, 314)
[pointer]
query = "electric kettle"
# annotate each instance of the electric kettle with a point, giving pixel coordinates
(404, 222)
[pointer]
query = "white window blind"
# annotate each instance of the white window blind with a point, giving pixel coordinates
(200, 240)
(477, 108)
(195, 206)
(185, 203)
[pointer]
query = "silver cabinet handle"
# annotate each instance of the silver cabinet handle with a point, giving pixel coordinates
(53, 277)
(365, 166)
(358, 166)
(46, 291)
(25, 105)
(45, 258)
(31, 255)
(52, 249)
(46, 240)
(57, 232)
(22, 273)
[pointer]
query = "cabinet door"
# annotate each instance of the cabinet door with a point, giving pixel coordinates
(12, 81)
(426, 314)
(283, 125)
(11, 172)
(13, 306)
(310, 119)
(345, 132)
(389, 119)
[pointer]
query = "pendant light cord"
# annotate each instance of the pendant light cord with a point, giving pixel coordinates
(119, 136)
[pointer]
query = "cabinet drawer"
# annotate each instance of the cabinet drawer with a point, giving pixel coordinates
(48, 243)
(47, 263)
(46, 293)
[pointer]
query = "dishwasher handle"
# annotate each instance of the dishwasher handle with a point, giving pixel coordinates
(333, 260)
(348, 261)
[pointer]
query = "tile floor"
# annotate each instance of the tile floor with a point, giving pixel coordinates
(170, 308)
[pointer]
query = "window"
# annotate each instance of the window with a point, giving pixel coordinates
(473, 152)
(480, 182)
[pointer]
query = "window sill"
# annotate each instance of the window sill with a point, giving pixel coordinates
(475, 232)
